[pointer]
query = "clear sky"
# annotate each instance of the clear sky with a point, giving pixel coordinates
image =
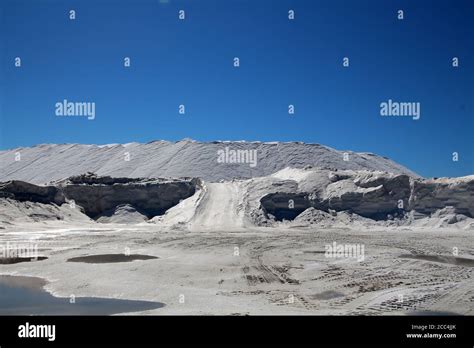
(282, 62)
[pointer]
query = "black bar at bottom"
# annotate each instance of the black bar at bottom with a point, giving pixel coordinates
(225, 330)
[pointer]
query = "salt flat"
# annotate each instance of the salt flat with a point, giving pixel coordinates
(255, 271)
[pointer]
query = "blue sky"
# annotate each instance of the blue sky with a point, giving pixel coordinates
(283, 62)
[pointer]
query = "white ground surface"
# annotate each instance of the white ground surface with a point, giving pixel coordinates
(253, 270)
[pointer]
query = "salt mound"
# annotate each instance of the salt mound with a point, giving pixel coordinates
(123, 214)
(446, 217)
(49, 162)
(13, 211)
(314, 216)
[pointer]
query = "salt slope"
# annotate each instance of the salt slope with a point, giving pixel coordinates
(187, 158)
(217, 206)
